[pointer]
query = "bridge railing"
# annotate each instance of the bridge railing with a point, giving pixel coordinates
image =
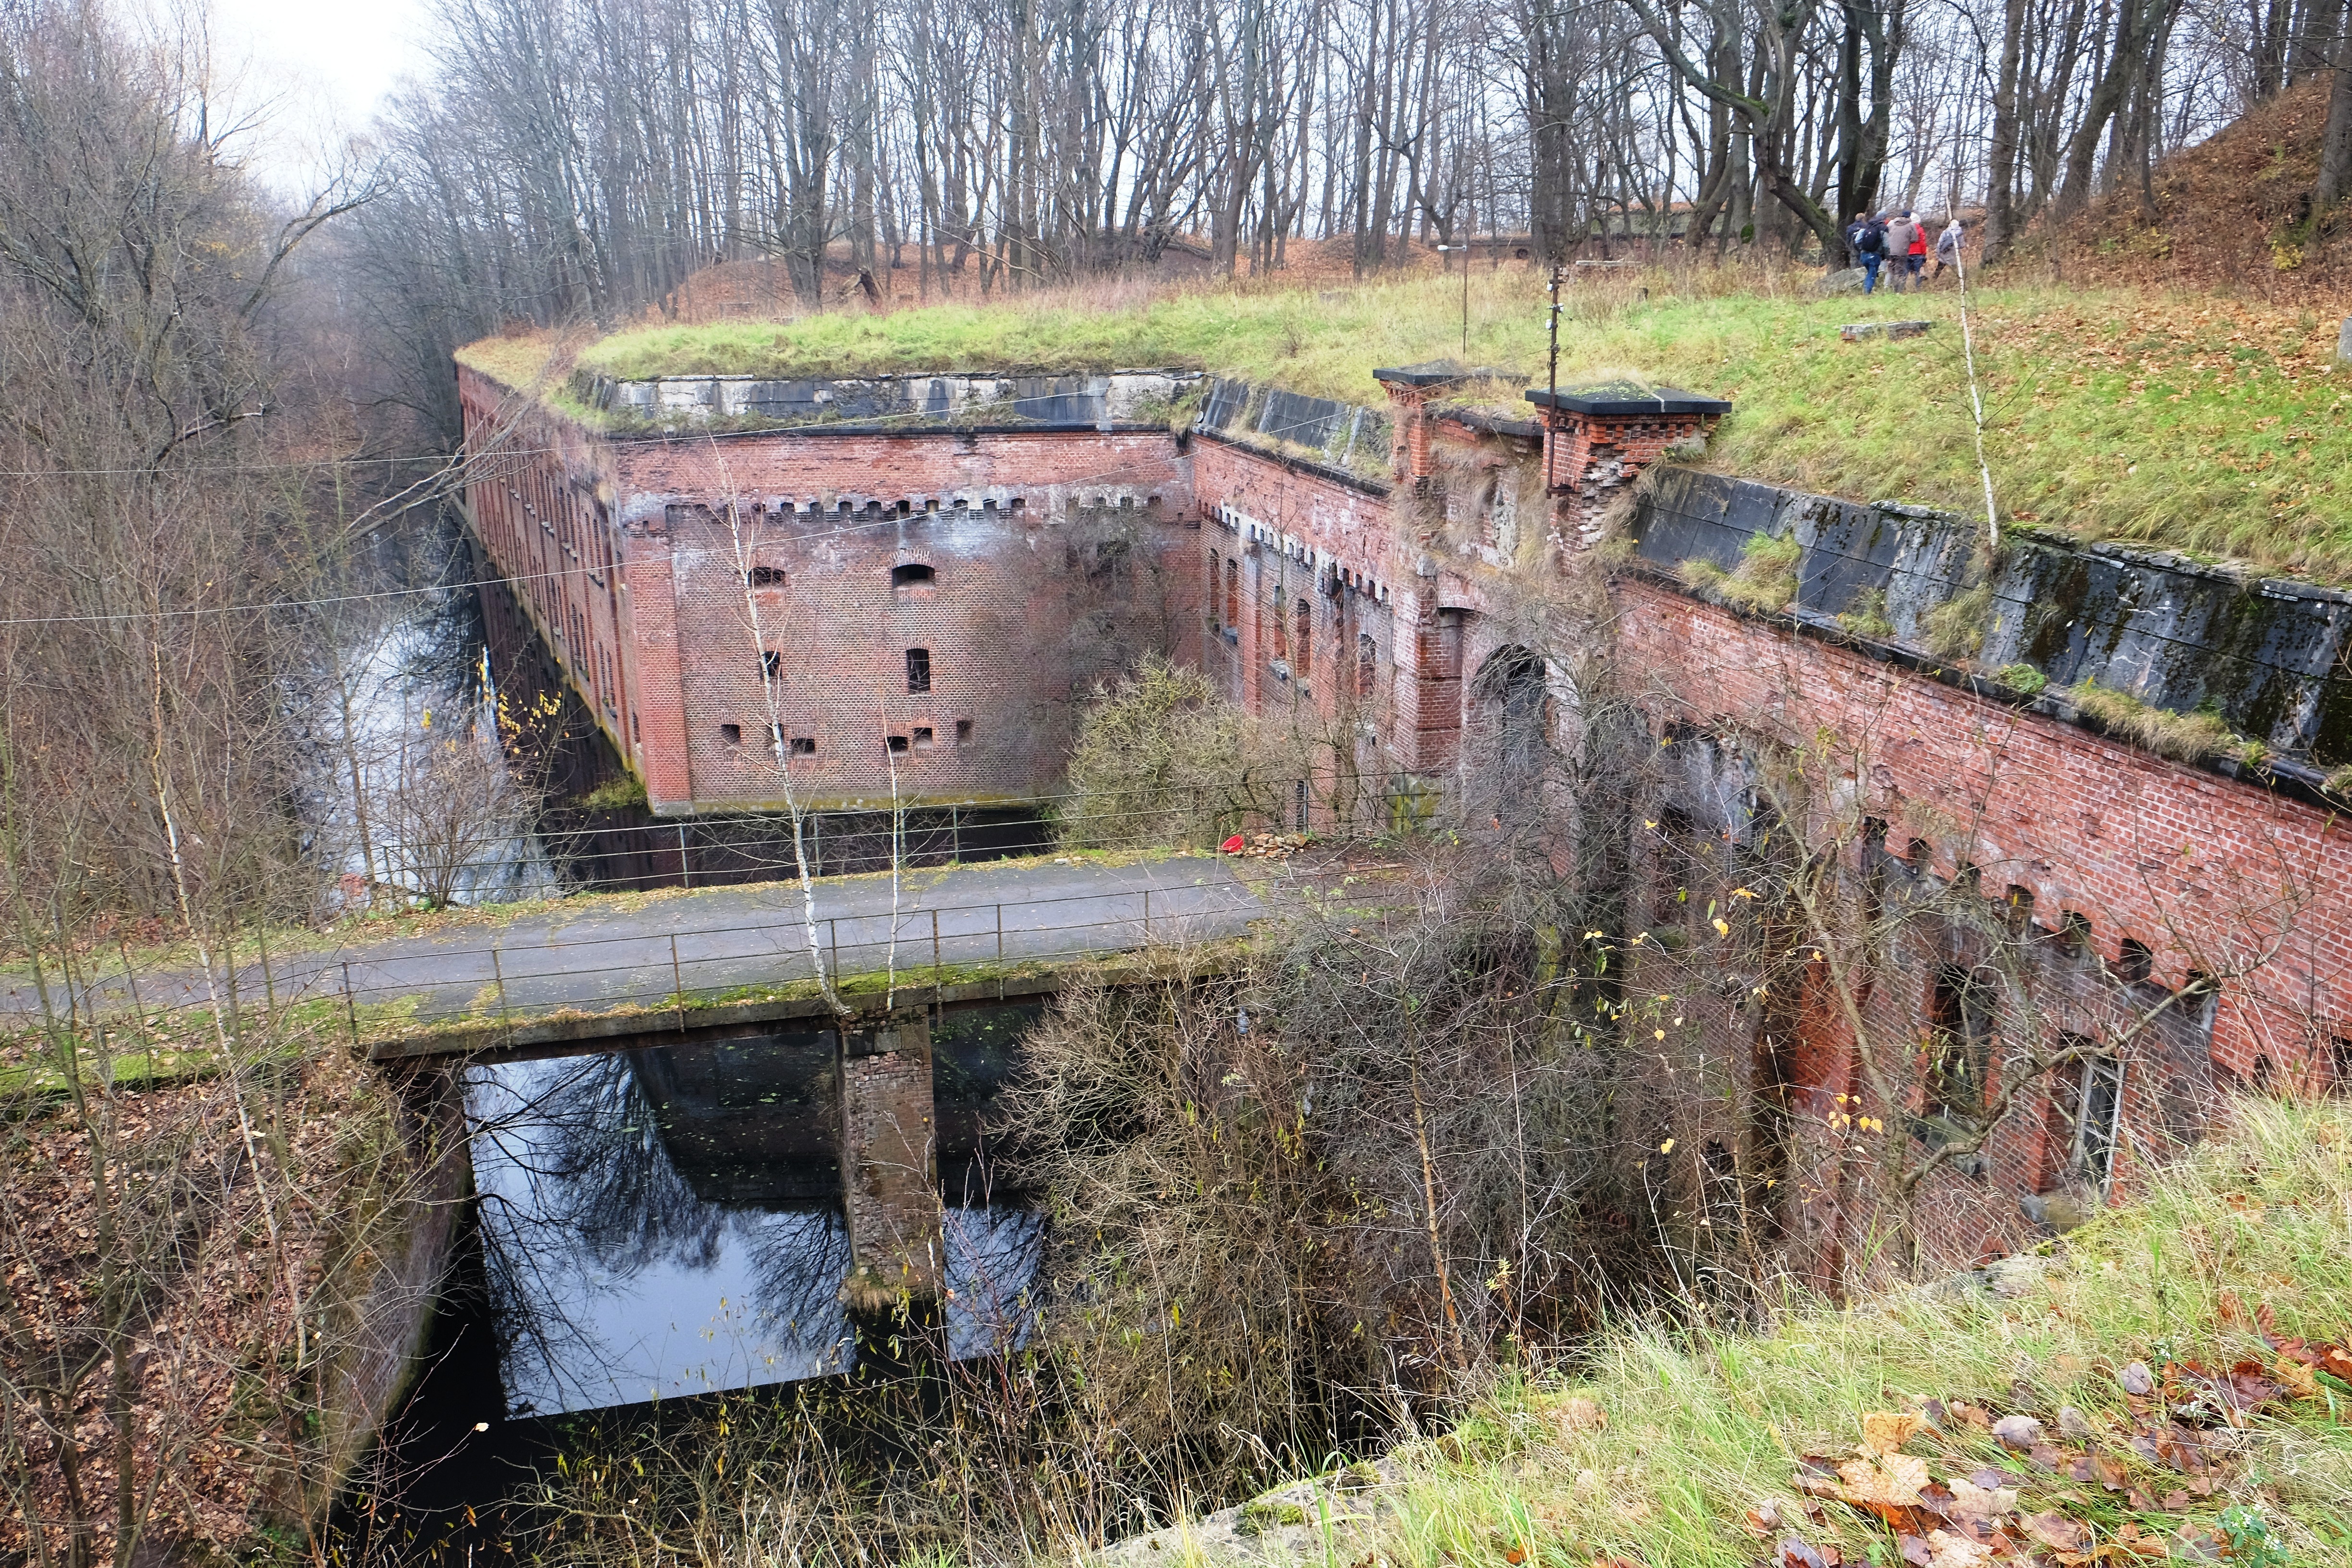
(421, 986)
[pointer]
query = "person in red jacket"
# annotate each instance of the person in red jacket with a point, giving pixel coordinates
(1916, 257)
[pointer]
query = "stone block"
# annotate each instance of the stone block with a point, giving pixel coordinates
(1855, 331)
(1848, 281)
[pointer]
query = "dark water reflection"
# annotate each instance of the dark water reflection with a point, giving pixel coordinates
(664, 1222)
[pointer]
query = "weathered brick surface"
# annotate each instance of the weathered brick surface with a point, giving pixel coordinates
(889, 1165)
(1057, 557)
(2211, 876)
(1053, 561)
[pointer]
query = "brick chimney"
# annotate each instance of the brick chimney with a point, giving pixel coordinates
(1598, 439)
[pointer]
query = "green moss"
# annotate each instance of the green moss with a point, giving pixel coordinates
(1765, 579)
(2022, 678)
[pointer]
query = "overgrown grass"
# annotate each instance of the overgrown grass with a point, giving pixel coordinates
(1765, 578)
(2203, 424)
(1702, 1426)
(2185, 736)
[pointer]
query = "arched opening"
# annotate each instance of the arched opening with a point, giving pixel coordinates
(1509, 734)
(912, 575)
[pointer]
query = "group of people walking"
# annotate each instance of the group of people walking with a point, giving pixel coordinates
(1897, 242)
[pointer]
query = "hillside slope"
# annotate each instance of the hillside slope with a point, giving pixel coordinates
(2229, 215)
(2169, 1382)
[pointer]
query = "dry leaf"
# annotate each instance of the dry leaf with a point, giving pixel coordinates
(1946, 1549)
(2017, 1433)
(2056, 1532)
(2299, 1380)
(1885, 1432)
(1581, 1415)
(1796, 1552)
(1970, 1500)
(2137, 1379)
(1892, 1479)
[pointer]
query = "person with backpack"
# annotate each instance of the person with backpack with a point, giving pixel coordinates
(1899, 231)
(1914, 255)
(1868, 239)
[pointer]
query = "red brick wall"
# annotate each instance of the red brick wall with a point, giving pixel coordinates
(2210, 875)
(1056, 558)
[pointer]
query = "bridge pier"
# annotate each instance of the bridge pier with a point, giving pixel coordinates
(889, 1166)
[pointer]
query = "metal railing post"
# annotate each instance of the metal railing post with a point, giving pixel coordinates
(833, 940)
(677, 979)
(1147, 915)
(498, 973)
(350, 1006)
(935, 951)
(1000, 932)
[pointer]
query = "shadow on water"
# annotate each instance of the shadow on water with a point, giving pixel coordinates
(657, 1229)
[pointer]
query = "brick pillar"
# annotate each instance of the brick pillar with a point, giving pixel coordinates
(1596, 441)
(889, 1175)
(1409, 422)
(650, 667)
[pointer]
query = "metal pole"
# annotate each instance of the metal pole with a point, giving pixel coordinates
(351, 1007)
(498, 974)
(684, 872)
(1147, 914)
(935, 950)
(1551, 408)
(1000, 933)
(678, 978)
(833, 937)
(1466, 307)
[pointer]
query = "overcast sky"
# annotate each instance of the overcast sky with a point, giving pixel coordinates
(314, 69)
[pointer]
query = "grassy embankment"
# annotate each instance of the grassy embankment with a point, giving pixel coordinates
(1681, 1450)
(2193, 421)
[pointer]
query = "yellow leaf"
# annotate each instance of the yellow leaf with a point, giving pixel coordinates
(1885, 1432)
(1891, 1478)
(1721, 929)
(1667, 1147)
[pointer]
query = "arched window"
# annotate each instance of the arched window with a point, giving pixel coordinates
(912, 575)
(1304, 608)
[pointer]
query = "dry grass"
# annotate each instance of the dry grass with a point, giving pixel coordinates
(1704, 1426)
(2187, 737)
(1765, 579)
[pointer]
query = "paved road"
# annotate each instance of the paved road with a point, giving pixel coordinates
(596, 954)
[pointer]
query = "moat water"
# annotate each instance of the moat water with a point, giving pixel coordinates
(652, 1227)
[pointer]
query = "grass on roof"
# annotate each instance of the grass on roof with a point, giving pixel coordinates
(2193, 421)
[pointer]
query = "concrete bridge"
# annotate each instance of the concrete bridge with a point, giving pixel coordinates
(605, 966)
(623, 972)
